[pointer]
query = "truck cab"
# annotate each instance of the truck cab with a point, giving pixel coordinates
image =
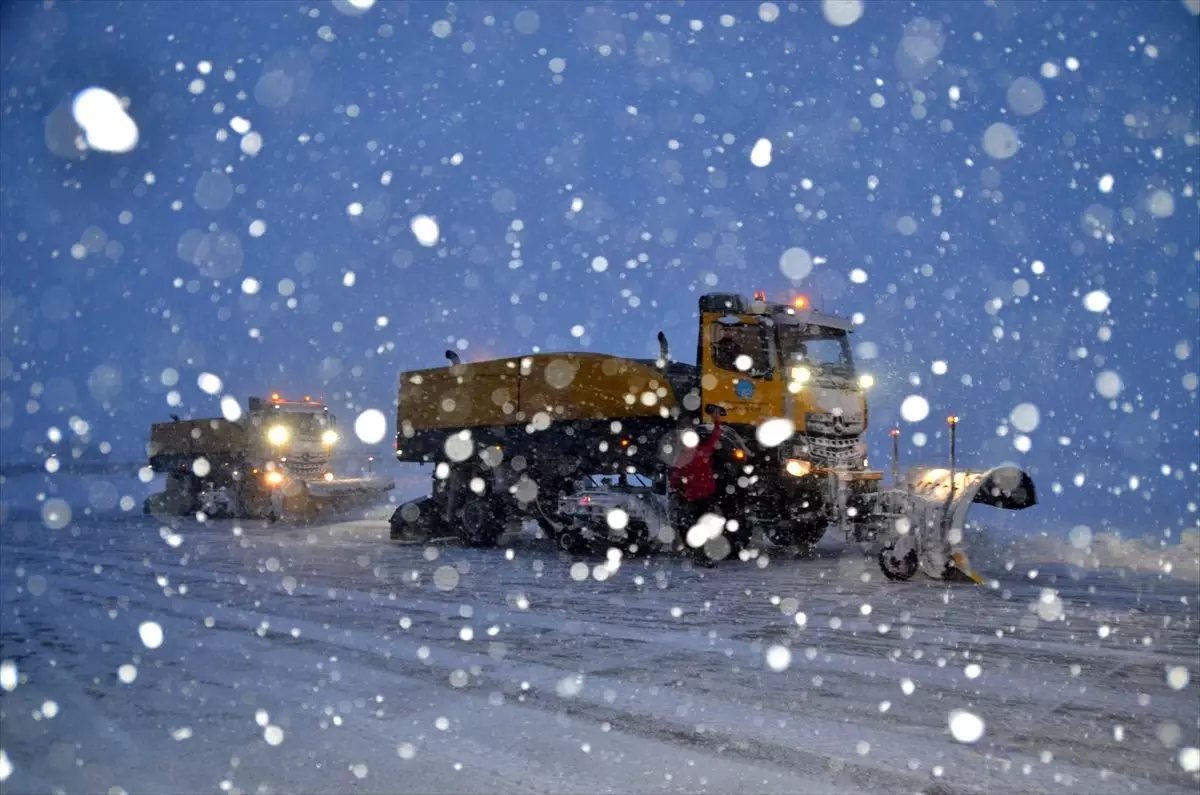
(299, 434)
(792, 393)
(274, 445)
(762, 361)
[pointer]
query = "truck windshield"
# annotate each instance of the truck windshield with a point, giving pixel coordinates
(304, 426)
(825, 350)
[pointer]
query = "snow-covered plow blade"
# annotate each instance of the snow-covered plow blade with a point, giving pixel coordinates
(305, 499)
(931, 528)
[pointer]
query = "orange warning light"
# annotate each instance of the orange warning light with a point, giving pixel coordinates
(800, 302)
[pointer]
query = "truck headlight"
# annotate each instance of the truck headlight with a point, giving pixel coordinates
(801, 375)
(797, 468)
(277, 434)
(866, 381)
(329, 437)
(274, 477)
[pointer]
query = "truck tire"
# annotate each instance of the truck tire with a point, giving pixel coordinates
(739, 539)
(801, 534)
(637, 543)
(895, 567)
(254, 504)
(416, 521)
(481, 521)
(809, 531)
(572, 543)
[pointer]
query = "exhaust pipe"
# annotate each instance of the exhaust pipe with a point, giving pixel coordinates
(664, 351)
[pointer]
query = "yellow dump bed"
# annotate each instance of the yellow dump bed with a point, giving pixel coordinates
(547, 390)
(213, 437)
(567, 386)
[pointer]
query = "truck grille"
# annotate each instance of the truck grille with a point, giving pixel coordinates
(835, 424)
(826, 451)
(306, 466)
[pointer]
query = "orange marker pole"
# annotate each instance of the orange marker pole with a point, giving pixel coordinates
(895, 432)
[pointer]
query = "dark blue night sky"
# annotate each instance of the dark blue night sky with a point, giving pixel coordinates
(635, 145)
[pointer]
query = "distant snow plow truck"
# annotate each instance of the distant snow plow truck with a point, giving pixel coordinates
(274, 461)
(509, 436)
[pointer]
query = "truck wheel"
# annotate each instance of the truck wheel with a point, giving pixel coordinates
(803, 532)
(416, 521)
(481, 521)
(898, 567)
(637, 541)
(739, 539)
(810, 530)
(572, 543)
(254, 504)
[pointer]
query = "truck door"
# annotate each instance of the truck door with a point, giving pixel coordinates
(738, 370)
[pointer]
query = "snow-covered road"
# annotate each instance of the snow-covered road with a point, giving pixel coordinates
(327, 659)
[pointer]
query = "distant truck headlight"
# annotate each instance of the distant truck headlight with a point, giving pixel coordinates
(329, 437)
(277, 434)
(866, 381)
(274, 478)
(801, 375)
(797, 468)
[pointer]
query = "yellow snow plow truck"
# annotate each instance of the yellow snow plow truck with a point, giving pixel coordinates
(510, 437)
(274, 461)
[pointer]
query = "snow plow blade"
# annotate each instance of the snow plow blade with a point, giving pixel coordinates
(306, 499)
(938, 512)
(349, 487)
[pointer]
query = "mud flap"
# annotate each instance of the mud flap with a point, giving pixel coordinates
(415, 521)
(938, 512)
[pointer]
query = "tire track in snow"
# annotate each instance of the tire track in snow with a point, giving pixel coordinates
(870, 660)
(636, 628)
(838, 750)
